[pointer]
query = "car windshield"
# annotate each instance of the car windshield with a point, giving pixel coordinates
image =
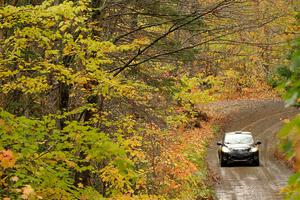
(238, 139)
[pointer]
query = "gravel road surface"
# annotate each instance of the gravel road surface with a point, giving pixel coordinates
(242, 182)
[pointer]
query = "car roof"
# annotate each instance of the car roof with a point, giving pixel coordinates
(239, 132)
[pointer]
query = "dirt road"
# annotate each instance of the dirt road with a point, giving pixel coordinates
(243, 182)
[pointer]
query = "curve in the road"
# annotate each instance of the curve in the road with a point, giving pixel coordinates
(244, 182)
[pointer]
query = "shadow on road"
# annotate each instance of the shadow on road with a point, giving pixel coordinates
(241, 164)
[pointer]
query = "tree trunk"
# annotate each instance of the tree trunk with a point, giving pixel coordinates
(1, 30)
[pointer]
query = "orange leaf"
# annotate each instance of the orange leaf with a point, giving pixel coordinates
(7, 159)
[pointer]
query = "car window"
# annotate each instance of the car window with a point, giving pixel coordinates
(238, 139)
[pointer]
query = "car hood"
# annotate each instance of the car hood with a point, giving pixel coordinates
(239, 146)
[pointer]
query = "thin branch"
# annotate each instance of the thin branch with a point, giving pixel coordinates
(139, 29)
(198, 44)
(232, 42)
(171, 30)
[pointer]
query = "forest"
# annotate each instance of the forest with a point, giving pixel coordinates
(99, 99)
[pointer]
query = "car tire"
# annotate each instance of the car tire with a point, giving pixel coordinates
(256, 162)
(223, 163)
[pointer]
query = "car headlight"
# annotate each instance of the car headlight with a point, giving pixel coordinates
(254, 149)
(225, 150)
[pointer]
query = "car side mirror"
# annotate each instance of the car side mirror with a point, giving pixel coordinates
(219, 143)
(258, 142)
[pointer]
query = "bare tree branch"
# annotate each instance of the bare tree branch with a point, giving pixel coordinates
(172, 29)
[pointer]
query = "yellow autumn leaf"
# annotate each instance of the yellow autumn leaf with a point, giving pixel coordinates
(80, 185)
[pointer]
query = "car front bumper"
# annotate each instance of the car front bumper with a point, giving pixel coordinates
(240, 157)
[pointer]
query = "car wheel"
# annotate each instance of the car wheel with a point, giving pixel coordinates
(256, 162)
(223, 163)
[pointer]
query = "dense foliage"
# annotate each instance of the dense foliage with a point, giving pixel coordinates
(289, 136)
(99, 98)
